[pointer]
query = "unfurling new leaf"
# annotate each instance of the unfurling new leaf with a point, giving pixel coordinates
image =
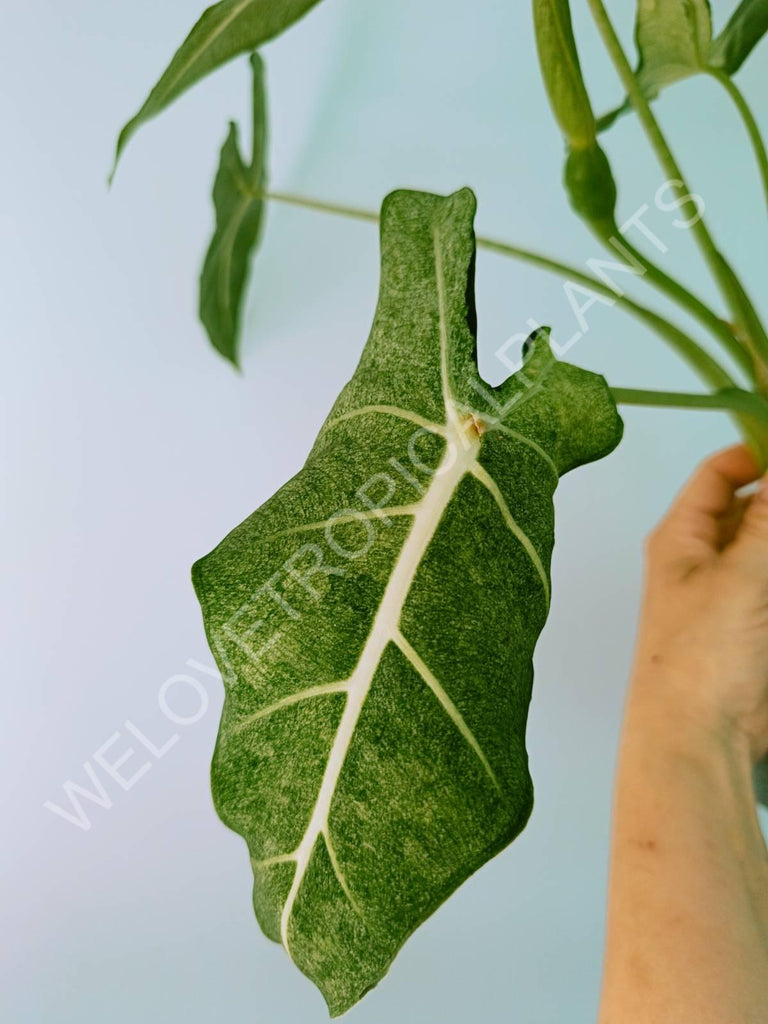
(561, 69)
(238, 199)
(225, 30)
(375, 620)
(588, 177)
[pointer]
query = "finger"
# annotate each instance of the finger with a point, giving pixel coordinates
(730, 523)
(710, 495)
(750, 545)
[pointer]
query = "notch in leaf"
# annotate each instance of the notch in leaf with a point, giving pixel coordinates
(238, 196)
(225, 30)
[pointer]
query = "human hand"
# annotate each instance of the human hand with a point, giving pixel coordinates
(702, 657)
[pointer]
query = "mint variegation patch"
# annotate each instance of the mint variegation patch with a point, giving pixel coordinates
(375, 620)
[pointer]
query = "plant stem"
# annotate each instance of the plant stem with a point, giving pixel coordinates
(710, 371)
(748, 410)
(322, 206)
(726, 400)
(750, 123)
(739, 303)
(687, 300)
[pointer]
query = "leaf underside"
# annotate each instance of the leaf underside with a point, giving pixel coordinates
(674, 40)
(224, 31)
(375, 620)
(239, 204)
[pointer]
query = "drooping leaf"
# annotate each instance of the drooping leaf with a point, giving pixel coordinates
(238, 200)
(375, 620)
(740, 36)
(561, 70)
(224, 31)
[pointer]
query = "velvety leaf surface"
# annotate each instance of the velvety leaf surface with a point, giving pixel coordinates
(375, 620)
(237, 198)
(740, 36)
(224, 31)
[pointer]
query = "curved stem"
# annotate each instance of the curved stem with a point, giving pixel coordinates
(688, 301)
(750, 123)
(710, 371)
(739, 303)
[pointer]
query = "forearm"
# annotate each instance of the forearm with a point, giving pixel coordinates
(688, 898)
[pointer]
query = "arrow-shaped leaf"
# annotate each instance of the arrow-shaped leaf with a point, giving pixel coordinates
(238, 199)
(224, 31)
(740, 36)
(375, 620)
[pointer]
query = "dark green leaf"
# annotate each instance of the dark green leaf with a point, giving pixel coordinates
(375, 620)
(561, 70)
(740, 36)
(224, 31)
(238, 199)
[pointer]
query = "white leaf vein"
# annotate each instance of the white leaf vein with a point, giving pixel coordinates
(447, 704)
(484, 477)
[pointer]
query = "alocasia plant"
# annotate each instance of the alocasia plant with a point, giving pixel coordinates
(375, 620)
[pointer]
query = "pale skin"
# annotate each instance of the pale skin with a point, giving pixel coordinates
(688, 896)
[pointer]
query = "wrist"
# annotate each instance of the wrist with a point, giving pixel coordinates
(675, 712)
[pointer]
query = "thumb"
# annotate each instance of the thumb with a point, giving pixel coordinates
(750, 546)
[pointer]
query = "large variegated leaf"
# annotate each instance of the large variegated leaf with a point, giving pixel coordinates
(239, 202)
(375, 620)
(224, 31)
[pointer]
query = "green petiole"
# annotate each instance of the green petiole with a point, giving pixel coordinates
(710, 371)
(738, 301)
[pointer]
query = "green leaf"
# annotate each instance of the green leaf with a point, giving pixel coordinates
(561, 70)
(375, 620)
(238, 199)
(225, 30)
(740, 36)
(673, 39)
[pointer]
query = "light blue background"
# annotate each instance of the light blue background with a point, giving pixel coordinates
(129, 449)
